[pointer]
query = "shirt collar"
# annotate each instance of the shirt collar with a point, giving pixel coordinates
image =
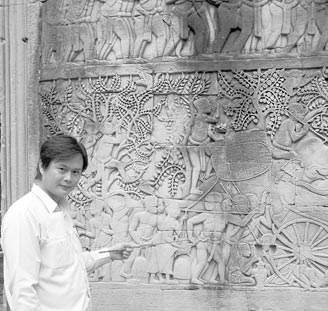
(48, 202)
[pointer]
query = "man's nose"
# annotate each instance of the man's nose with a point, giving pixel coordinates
(68, 176)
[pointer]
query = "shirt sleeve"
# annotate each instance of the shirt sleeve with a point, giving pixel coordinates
(95, 259)
(20, 244)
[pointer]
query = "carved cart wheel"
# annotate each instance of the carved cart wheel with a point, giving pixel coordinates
(301, 249)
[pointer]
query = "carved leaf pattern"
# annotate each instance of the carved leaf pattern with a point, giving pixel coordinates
(314, 95)
(253, 96)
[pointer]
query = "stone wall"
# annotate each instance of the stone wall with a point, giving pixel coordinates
(19, 108)
(206, 125)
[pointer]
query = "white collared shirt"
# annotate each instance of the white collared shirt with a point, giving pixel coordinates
(44, 266)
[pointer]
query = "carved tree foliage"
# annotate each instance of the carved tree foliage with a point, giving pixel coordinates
(254, 96)
(314, 95)
(83, 107)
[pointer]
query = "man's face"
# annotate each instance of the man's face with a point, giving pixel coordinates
(211, 206)
(155, 209)
(117, 203)
(246, 253)
(61, 177)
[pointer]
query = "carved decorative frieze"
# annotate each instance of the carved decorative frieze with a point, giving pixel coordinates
(127, 30)
(219, 177)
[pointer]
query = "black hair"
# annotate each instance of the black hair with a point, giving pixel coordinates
(61, 147)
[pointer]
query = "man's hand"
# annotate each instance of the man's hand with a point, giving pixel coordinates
(121, 251)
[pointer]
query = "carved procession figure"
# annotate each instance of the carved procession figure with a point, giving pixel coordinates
(198, 139)
(149, 23)
(211, 243)
(187, 16)
(115, 30)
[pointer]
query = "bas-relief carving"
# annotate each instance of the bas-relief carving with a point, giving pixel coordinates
(217, 178)
(107, 30)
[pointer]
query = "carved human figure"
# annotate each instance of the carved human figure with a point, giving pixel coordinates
(301, 23)
(292, 130)
(79, 29)
(216, 132)
(170, 232)
(187, 16)
(83, 228)
(289, 132)
(277, 15)
(119, 221)
(115, 30)
(100, 227)
(307, 276)
(210, 243)
(87, 240)
(233, 15)
(103, 150)
(313, 152)
(104, 155)
(242, 272)
(261, 222)
(266, 248)
(143, 230)
(246, 22)
(52, 45)
(89, 140)
(198, 139)
(309, 15)
(148, 25)
(320, 15)
(119, 224)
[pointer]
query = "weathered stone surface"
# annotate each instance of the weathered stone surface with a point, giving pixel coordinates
(161, 298)
(20, 115)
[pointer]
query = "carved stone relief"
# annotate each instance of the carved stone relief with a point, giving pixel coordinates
(133, 31)
(218, 177)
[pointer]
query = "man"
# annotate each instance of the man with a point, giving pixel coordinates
(44, 266)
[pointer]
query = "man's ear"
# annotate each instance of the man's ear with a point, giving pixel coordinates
(41, 169)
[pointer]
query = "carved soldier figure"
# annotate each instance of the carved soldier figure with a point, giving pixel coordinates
(309, 16)
(289, 133)
(52, 43)
(187, 15)
(170, 231)
(115, 30)
(149, 25)
(79, 29)
(198, 139)
(100, 227)
(119, 223)
(242, 273)
(143, 230)
(211, 242)
(292, 130)
(234, 14)
(103, 153)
